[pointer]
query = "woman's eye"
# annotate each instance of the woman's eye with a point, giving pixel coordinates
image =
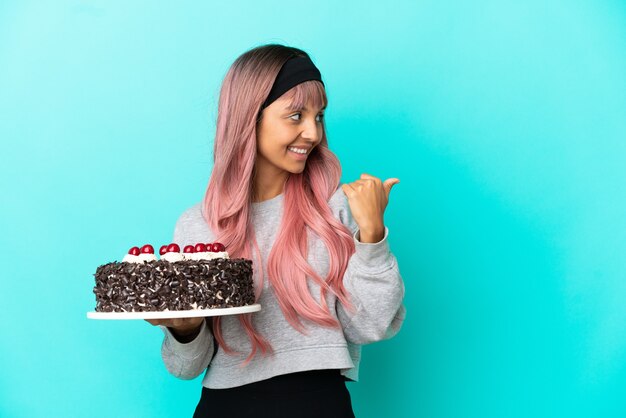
(319, 118)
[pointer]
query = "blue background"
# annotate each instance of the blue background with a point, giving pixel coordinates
(504, 120)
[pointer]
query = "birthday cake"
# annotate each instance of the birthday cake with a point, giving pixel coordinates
(201, 277)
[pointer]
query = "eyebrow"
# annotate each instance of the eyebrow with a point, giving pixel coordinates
(288, 107)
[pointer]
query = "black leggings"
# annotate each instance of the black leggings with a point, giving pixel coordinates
(315, 393)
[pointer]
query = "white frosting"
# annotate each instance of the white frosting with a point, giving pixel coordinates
(205, 255)
(172, 257)
(129, 258)
(146, 257)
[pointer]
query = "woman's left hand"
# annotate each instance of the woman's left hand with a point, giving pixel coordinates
(368, 198)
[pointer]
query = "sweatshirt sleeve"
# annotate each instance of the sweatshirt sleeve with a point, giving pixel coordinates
(187, 360)
(373, 282)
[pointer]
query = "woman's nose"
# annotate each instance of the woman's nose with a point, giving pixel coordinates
(311, 131)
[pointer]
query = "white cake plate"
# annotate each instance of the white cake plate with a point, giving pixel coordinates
(175, 314)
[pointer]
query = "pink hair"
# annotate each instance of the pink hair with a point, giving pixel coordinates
(229, 196)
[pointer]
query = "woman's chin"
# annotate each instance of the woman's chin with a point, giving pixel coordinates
(295, 168)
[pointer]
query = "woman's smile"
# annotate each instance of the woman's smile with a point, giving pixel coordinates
(298, 153)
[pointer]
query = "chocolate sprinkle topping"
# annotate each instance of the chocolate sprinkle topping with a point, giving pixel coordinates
(182, 285)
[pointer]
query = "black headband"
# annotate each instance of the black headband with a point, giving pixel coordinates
(295, 71)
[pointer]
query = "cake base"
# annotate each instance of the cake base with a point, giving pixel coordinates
(193, 313)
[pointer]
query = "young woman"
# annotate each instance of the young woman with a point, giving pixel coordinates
(324, 274)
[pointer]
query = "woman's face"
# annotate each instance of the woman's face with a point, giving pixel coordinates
(285, 138)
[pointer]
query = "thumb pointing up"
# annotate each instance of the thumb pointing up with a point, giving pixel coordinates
(388, 184)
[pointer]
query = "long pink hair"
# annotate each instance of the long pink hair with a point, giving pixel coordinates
(227, 203)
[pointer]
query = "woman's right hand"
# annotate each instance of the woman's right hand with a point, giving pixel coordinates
(183, 329)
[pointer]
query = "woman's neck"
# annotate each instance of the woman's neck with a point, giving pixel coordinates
(268, 185)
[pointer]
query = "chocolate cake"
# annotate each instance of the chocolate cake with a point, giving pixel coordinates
(191, 282)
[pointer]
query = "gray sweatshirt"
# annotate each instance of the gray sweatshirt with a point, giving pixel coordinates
(372, 281)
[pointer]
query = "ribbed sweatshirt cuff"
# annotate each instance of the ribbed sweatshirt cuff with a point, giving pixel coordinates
(190, 350)
(372, 255)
